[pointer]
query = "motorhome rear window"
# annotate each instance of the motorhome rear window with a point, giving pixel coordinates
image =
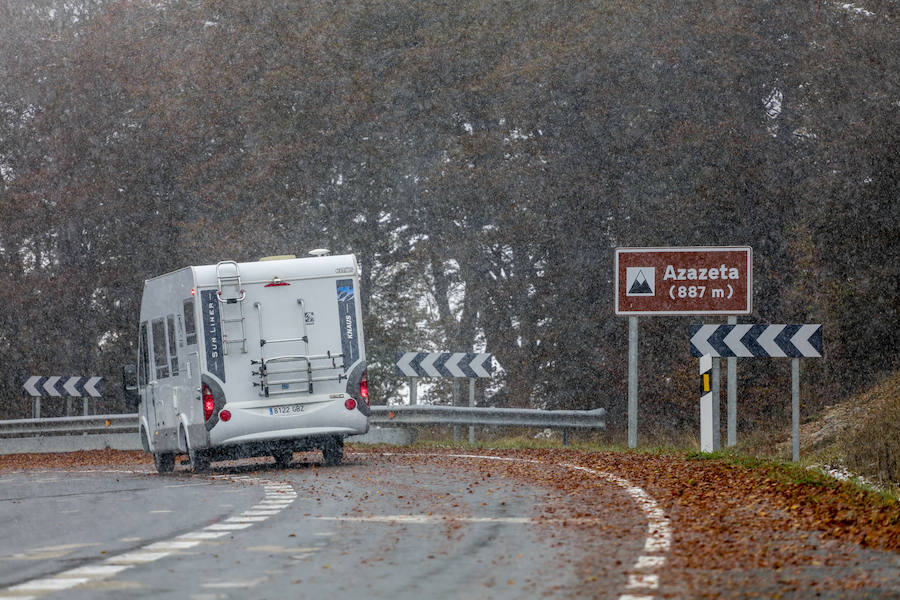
(158, 332)
(145, 356)
(190, 328)
(173, 351)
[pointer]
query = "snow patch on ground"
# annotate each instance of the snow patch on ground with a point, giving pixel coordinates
(842, 474)
(852, 8)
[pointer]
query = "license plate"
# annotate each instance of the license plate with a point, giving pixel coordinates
(289, 409)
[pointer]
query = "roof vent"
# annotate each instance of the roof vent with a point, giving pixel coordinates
(320, 252)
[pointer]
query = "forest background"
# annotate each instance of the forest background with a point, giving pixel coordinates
(481, 158)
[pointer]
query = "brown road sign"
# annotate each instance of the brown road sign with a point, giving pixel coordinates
(684, 281)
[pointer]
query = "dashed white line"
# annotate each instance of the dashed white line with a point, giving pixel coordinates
(284, 493)
(130, 558)
(97, 570)
(172, 545)
(49, 584)
(227, 526)
(202, 535)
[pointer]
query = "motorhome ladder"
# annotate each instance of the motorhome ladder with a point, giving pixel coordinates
(230, 292)
(299, 367)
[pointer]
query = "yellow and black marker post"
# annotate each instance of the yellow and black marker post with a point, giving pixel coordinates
(706, 404)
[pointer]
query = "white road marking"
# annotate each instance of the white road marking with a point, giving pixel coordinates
(234, 584)
(98, 570)
(659, 529)
(284, 493)
(138, 556)
(50, 584)
(243, 519)
(227, 526)
(172, 545)
(650, 562)
(202, 535)
(643, 581)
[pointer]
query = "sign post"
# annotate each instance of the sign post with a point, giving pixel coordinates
(673, 282)
(776, 341)
(632, 381)
(732, 393)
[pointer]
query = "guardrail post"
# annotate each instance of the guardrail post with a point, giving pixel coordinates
(566, 436)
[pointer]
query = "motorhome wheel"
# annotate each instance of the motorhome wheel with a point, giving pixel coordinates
(333, 451)
(199, 461)
(164, 461)
(283, 458)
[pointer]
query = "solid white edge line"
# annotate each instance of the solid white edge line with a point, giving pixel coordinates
(659, 528)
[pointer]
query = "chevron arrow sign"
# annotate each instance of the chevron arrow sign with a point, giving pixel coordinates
(74, 387)
(444, 364)
(779, 341)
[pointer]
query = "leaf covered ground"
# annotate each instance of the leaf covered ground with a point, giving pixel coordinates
(740, 529)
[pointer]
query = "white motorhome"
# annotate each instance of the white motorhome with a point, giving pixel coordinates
(251, 359)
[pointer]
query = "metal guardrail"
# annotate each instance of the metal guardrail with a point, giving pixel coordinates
(396, 416)
(427, 414)
(97, 424)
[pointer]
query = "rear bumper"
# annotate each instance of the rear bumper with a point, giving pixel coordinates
(318, 420)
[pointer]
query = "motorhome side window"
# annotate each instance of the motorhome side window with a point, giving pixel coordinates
(158, 331)
(173, 351)
(145, 356)
(190, 330)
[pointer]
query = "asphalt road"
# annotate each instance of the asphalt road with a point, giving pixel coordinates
(376, 526)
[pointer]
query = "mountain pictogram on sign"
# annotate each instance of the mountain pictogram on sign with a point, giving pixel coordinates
(640, 281)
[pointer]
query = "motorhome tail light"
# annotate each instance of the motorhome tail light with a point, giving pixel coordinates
(225, 415)
(209, 403)
(350, 404)
(364, 387)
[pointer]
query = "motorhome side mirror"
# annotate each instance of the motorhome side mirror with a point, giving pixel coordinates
(130, 386)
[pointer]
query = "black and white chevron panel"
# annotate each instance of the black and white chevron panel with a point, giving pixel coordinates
(75, 387)
(778, 341)
(444, 364)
